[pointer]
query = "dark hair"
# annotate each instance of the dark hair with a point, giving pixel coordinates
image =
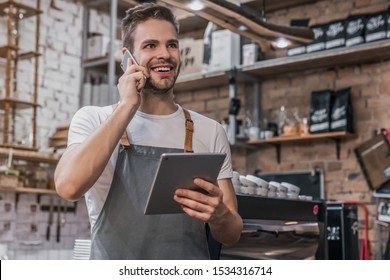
(140, 14)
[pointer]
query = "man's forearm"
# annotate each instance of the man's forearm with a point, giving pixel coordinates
(228, 231)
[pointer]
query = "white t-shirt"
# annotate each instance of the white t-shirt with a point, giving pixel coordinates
(148, 130)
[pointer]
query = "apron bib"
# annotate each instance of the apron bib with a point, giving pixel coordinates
(122, 231)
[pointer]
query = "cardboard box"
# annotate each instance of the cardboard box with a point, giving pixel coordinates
(97, 46)
(225, 50)
(191, 55)
(250, 53)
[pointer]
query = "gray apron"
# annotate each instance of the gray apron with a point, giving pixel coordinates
(122, 231)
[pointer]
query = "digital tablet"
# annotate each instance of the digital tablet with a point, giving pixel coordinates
(178, 170)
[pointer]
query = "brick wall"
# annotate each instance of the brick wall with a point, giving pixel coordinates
(370, 85)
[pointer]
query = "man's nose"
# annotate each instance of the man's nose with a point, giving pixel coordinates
(163, 52)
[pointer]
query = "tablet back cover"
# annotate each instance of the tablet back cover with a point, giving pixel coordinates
(179, 170)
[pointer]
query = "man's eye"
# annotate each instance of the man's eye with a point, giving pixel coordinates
(174, 46)
(150, 46)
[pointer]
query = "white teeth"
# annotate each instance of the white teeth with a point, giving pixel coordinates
(162, 69)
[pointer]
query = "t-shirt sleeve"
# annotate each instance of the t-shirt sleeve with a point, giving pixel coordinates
(83, 123)
(222, 146)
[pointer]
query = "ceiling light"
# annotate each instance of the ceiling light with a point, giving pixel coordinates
(281, 43)
(196, 5)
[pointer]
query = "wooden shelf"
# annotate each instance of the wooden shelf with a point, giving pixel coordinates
(28, 55)
(27, 11)
(4, 50)
(369, 52)
(17, 104)
(277, 141)
(296, 138)
(29, 155)
(27, 190)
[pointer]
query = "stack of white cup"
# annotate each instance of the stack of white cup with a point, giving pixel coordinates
(261, 186)
(292, 190)
(253, 185)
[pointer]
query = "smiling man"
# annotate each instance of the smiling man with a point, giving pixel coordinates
(113, 153)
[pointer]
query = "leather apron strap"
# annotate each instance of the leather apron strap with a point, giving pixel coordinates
(189, 132)
(188, 136)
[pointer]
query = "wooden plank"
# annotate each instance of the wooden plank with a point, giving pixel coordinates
(275, 5)
(238, 20)
(4, 50)
(26, 10)
(28, 55)
(368, 52)
(295, 138)
(27, 190)
(30, 155)
(17, 104)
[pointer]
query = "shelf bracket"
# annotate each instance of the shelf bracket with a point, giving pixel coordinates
(338, 142)
(278, 148)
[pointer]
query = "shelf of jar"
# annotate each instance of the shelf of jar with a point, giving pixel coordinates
(24, 153)
(277, 141)
(26, 10)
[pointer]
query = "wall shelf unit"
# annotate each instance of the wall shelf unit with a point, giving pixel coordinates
(278, 141)
(14, 12)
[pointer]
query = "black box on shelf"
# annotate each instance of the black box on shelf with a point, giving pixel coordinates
(335, 34)
(376, 26)
(388, 22)
(318, 43)
(342, 231)
(355, 27)
(298, 49)
(320, 109)
(341, 117)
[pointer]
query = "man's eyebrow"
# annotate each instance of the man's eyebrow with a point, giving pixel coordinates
(150, 41)
(153, 41)
(173, 41)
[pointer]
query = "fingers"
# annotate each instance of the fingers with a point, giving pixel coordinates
(200, 205)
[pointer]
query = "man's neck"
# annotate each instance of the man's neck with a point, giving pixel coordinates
(154, 104)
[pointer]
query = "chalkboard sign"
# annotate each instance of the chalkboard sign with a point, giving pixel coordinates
(311, 181)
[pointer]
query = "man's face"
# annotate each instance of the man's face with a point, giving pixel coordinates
(156, 47)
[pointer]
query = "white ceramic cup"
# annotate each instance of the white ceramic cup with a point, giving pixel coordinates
(253, 133)
(291, 188)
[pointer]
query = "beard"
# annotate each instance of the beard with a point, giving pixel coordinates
(164, 85)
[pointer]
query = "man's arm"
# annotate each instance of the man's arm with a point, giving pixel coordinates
(218, 209)
(82, 164)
